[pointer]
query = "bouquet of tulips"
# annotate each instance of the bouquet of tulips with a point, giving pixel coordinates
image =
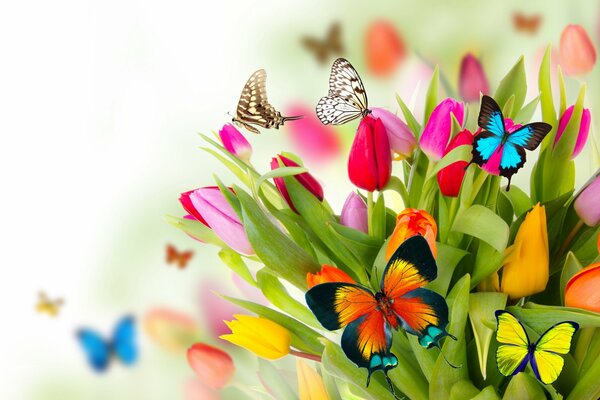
(500, 287)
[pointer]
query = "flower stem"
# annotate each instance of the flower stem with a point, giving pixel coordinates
(308, 356)
(570, 238)
(370, 212)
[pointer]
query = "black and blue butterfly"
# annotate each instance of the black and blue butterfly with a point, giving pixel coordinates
(495, 145)
(122, 345)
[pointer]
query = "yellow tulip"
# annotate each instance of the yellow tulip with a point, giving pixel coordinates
(261, 336)
(310, 383)
(525, 269)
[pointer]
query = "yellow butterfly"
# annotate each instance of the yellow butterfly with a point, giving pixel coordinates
(516, 351)
(47, 306)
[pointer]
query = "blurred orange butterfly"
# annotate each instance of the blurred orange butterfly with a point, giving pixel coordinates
(526, 24)
(324, 49)
(179, 258)
(47, 306)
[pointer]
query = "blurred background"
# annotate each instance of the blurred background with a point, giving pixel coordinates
(100, 103)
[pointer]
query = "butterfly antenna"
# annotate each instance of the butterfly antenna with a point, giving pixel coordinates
(444, 356)
(389, 382)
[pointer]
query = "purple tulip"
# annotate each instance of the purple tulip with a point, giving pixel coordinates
(354, 213)
(584, 129)
(472, 80)
(438, 128)
(235, 143)
(402, 141)
(586, 204)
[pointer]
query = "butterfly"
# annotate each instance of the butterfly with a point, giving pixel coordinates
(497, 145)
(401, 302)
(47, 306)
(526, 24)
(346, 99)
(323, 49)
(122, 345)
(253, 107)
(516, 350)
(181, 259)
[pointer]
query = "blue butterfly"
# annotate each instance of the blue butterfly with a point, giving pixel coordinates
(508, 145)
(100, 351)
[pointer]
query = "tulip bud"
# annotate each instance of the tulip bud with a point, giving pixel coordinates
(385, 49)
(310, 383)
(472, 81)
(577, 52)
(235, 143)
(212, 365)
(584, 129)
(411, 222)
(261, 336)
(492, 166)
(354, 213)
(582, 289)
(305, 179)
(587, 204)
(402, 141)
(450, 178)
(328, 273)
(370, 161)
(439, 127)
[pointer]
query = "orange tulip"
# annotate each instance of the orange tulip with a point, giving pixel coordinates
(577, 52)
(582, 289)
(384, 47)
(409, 223)
(212, 365)
(328, 273)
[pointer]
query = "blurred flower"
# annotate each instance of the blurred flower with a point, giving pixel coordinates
(310, 383)
(411, 222)
(235, 143)
(314, 141)
(261, 336)
(402, 141)
(450, 178)
(587, 204)
(370, 161)
(212, 206)
(582, 289)
(196, 389)
(354, 213)
(172, 330)
(305, 179)
(328, 273)
(384, 48)
(212, 366)
(214, 309)
(577, 52)
(439, 126)
(249, 292)
(493, 164)
(472, 80)
(584, 129)
(525, 270)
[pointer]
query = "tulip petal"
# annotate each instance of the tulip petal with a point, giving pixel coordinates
(401, 139)
(586, 204)
(212, 365)
(354, 213)
(310, 383)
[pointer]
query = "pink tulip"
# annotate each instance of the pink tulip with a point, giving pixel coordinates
(354, 213)
(402, 141)
(584, 129)
(213, 366)
(214, 309)
(370, 161)
(305, 179)
(438, 128)
(210, 204)
(577, 52)
(235, 143)
(195, 390)
(450, 178)
(587, 203)
(472, 80)
(186, 202)
(248, 291)
(493, 164)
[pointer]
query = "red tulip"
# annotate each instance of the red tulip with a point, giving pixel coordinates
(450, 178)
(384, 47)
(577, 52)
(305, 179)
(472, 80)
(370, 161)
(213, 366)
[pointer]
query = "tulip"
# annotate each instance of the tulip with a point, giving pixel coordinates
(525, 270)
(582, 289)
(411, 222)
(261, 336)
(214, 309)
(402, 141)
(310, 383)
(174, 331)
(213, 366)
(235, 143)
(370, 161)
(439, 126)
(472, 80)
(493, 164)
(577, 52)
(584, 129)
(587, 203)
(195, 389)
(328, 273)
(384, 47)
(450, 178)
(354, 213)
(208, 204)
(305, 179)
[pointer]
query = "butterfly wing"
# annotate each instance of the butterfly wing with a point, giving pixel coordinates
(253, 106)
(124, 340)
(530, 135)
(96, 349)
(489, 141)
(513, 352)
(547, 363)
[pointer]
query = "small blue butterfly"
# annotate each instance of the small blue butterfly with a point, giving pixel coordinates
(511, 145)
(100, 351)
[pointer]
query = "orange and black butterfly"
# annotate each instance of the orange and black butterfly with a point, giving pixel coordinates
(179, 258)
(526, 24)
(401, 302)
(323, 49)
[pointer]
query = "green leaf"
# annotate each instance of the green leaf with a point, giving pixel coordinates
(379, 219)
(196, 229)
(488, 393)
(539, 317)
(563, 92)
(546, 99)
(504, 207)
(417, 178)
(448, 258)
(235, 262)
(411, 121)
(230, 197)
(431, 99)
(484, 224)
(274, 381)
(524, 387)
(588, 385)
(514, 83)
(521, 203)
(508, 106)
(363, 246)
(460, 153)
(280, 173)
(526, 113)
(396, 185)
(570, 268)
(487, 261)
(330, 385)
(463, 389)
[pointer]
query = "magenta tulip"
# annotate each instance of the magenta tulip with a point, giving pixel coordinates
(577, 52)
(472, 81)
(305, 179)
(439, 127)
(402, 141)
(235, 143)
(354, 213)
(584, 129)
(586, 204)
(450, 178)
(370, 161)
